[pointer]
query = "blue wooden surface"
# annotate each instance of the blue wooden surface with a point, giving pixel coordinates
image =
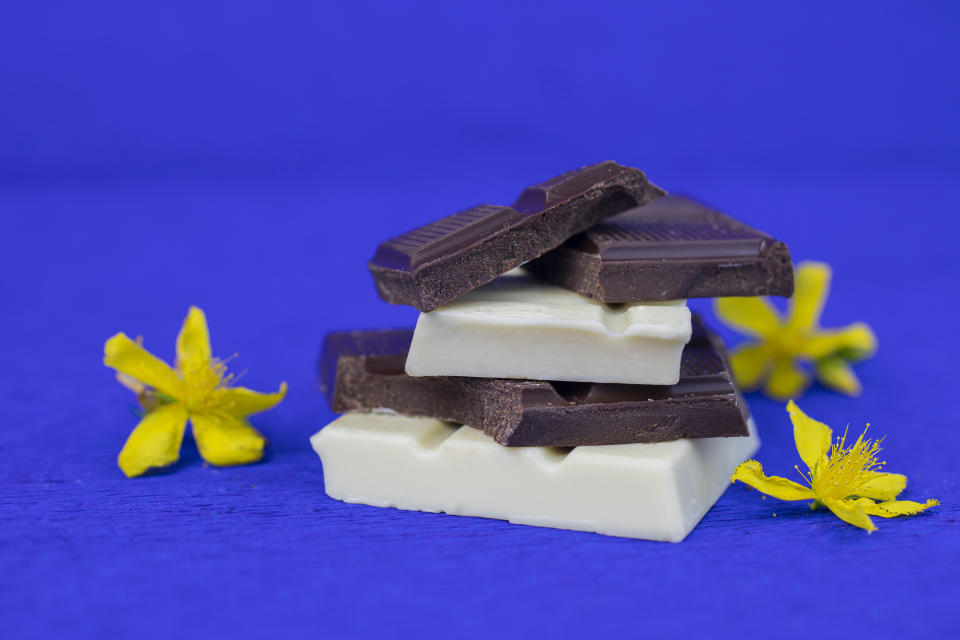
(248, 160)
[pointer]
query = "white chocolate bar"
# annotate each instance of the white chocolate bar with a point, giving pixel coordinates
(652, 491)
(518, 327)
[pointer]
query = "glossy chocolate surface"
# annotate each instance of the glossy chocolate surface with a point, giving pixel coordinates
(439, 261)
(673, 248)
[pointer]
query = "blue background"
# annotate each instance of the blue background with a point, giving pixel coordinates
(248, 157)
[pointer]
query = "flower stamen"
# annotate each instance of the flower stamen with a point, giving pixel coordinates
(205, 383)
(845, 471)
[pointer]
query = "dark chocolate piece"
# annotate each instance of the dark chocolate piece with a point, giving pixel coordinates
(671, 249)
(435, 263)
(363, 370)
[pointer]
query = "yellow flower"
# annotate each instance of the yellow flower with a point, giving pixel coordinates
(199, 390)
(845, 480)
(784, 343)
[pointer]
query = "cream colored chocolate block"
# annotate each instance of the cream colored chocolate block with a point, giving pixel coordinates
(652, 491)
(518, 327)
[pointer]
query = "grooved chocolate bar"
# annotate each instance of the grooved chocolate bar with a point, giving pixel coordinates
(440, 261)
(671, 249)
(363, 370)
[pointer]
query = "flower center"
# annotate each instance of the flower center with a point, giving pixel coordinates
(205, 384)
(788, 342)
(844, 472)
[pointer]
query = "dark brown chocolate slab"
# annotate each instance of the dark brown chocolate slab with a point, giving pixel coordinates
(670, 249)
(435, 263)
(363, 371)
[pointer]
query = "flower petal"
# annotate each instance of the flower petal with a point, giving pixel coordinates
(193, 342)
(241, 402)
(751, 473)
(750, 363)
(853, 342)
(786, 381)
(126, 356)
(809, 295)
(155, 441)
(752, 316)
(835, 373)
(851, 512)
(883, 486)
(894, 508)
(226, 440)
(812, 437)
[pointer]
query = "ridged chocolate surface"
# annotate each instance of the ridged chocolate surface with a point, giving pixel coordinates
(670, 249)
(435, 263)
(363, 371)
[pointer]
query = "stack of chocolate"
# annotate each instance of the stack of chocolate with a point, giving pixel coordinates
(575, 392)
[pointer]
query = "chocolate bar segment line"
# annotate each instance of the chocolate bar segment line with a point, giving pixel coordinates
(363, 371)
(439, 261)
(672, 248)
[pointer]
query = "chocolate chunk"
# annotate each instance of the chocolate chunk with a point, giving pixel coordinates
(673, 248)
(363, 370)
(440, 261)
